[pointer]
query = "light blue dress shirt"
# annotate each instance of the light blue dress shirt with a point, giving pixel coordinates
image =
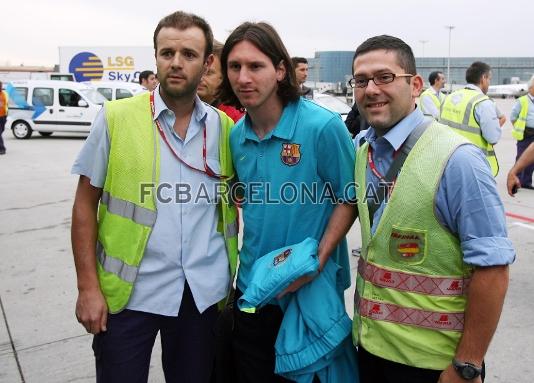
(467, 201)
(310, 148)
(486, 116)
(184, 243)
(530, 113)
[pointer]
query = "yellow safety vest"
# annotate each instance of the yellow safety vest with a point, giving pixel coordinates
(429, 92)
(518, 132)
(458, 112)
(411, 284)
(125, 215)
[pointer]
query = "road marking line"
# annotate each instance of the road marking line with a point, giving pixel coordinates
(523, 225)
(520, 217)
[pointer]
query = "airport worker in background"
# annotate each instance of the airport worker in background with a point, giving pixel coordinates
(154, 248)
(522, 118)
(430, 100)
(209, 87)
(442, 229)
(472, 113)
(527, 159)
(292, 185)
(148, 80)
(3, 116)
(301, 71)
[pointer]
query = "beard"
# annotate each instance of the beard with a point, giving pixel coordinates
(187, 90)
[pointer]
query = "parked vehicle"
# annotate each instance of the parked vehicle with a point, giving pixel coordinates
(115, 90)
(48, 106)
(332, 103)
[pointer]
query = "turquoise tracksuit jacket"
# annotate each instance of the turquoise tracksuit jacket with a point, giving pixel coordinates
(315, 335)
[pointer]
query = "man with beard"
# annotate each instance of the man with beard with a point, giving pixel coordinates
(154, 248)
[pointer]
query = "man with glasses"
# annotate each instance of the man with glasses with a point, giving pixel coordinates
(435, 225)
(154, 247)
(472, 114)
(430, 100)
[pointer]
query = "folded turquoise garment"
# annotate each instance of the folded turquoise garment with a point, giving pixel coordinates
(315, 333)
(275, 271)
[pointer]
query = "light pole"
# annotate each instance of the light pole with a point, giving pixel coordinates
(450, 28)
(423, 42)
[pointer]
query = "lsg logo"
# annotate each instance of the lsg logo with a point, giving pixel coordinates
(87, 66)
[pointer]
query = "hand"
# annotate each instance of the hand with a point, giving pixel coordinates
(92, 310)
(297, 284)
(511, 182)
(449, 375)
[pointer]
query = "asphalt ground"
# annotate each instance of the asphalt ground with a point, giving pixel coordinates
(40, 339)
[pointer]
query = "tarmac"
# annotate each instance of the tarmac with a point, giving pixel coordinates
(40, 339)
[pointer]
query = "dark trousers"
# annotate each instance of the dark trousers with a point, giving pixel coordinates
(122, 353)
(2, 127)
(525, 177)
(254, 336)
(374, 369)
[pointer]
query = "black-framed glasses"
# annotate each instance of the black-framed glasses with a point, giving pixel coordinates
(379, 79)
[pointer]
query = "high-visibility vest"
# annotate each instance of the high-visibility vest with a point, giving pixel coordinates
(3, 103)
(411, 284)
(458, 112)
(127, 212)
(429, 92)
(518, 132)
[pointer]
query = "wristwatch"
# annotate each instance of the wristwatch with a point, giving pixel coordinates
(466, 370)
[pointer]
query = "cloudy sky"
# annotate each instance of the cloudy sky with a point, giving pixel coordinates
(32, 30)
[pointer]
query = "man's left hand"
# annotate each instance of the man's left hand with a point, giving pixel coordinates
(449, 375)
(297, 284)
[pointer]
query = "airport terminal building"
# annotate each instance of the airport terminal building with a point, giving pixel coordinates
(336, 67)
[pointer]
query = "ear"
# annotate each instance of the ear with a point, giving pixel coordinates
(280, 71)
(417, 85)
(208, 63)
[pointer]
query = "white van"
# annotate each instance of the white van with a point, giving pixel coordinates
(49, 106)
(115, 90)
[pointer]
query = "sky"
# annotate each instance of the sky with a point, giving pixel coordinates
(32, 30)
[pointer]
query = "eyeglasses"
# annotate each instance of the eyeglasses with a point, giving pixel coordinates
(379, 79)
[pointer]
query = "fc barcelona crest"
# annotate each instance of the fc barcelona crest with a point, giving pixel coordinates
(290, 153)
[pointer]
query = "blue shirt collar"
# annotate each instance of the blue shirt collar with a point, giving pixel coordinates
(400, 132)
(284, 129)
(474, 87)
(199, 113)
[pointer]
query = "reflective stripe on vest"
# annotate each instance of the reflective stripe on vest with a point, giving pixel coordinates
(408, 316)
(231, 229)
(115, 266)
(416, 283)
(518, 131)
(467, 115)
(129, 210)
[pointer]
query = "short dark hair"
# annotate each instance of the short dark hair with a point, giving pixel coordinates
(405, 57)
(473, 74)
(298, 60)
(433, 76)
(181, 21)
(144, 75)
(264, 37)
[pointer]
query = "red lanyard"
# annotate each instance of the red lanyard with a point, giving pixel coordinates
(207, 170)
(375, 171)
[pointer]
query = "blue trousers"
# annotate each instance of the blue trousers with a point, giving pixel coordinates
(122, 353)
(2, 126)
(525, 177)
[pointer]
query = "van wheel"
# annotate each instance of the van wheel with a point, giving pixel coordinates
(45, 134)
(21, 130)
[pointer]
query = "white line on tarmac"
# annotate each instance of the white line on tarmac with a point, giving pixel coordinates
(522, 225)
